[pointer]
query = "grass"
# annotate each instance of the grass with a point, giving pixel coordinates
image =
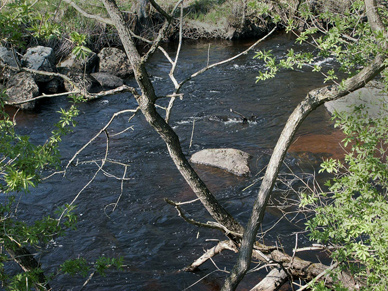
(67, 19)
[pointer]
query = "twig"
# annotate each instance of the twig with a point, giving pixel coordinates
(293, 251)
(227, 60)
(121, 188)
(209, 224)
(87, 280)
(41, 97)
(196, 282)
(192, 135)
(98, 134)
(92, 179)
(319, 277)
(208, 67)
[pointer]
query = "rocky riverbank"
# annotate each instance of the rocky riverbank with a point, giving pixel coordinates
(107, 66)
(37, 73)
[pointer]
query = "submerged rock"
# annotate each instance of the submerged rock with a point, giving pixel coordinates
(371, 96)
(232, 160)
(20, 88)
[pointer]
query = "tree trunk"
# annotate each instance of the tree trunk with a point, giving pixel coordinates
(147, 105)
(314, 99)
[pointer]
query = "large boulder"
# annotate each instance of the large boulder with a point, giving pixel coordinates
(371, 96)
(7, 58)
(22, 87)
(231, 160)
(78, 64)
(40, 58)
(114, 61)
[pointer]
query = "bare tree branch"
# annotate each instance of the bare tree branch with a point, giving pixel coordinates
(98, 134)
(147, 105)
(41, 97)
(91, 16)
(161, 11)
(171, 103)
(222, 245)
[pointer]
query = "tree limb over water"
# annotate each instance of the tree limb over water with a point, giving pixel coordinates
(313, 99)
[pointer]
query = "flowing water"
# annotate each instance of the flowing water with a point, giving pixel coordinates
(136, 223)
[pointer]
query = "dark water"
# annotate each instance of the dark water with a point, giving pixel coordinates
(154, 241)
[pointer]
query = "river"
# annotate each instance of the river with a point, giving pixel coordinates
(148, 233)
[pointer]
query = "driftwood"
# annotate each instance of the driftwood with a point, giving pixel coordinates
(274, 279)
(221, 246)
(286, 266)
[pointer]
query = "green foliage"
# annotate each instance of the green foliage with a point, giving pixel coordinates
(345, 36)
(24, 281)
(353, 216)
(21, 165)
(75, 267)
(104, 263)
(80, 50)
(19, 20)
(13, 20)
(81, 267)
(42, 28)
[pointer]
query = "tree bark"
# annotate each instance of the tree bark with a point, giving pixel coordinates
(146, 103)
(222, 245)
(314, 99)
(272, 282)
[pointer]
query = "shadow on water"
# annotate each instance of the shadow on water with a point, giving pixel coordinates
(148, 233)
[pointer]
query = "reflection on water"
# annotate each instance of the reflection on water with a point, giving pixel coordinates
(148, 233)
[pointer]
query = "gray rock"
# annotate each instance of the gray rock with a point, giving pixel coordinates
(77, 64)
(41, 59)
(22, 87)
(114, 61)
(231, 160)
(370, 96)
(7, 58)
(108, 80)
